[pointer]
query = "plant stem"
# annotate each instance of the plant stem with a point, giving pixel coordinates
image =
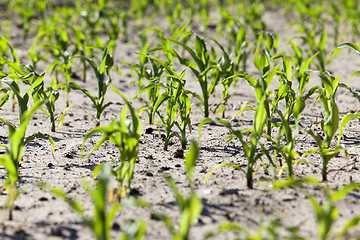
(203, 83)
(53, 126)
(324, 168)
(249, 179)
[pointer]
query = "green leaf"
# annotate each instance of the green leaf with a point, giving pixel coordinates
(350, 45)
(322, 43)
(75, 86)
(197, 60)
(219, 166)
(344, 121)
(299, 107)
(62, 116)
(338, 195)
(163, 97)
(190, 159)
(353, 222)
(260, 117)
(291, 182)
(206, 120)
(243, 108)
(306, 65)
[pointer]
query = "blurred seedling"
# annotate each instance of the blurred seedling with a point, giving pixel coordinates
(325, 210)
(274, 229)
(101, 221)
(14, 152)
(190, 206)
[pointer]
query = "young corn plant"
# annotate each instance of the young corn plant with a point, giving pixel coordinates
(224, 72)
(326, 211)
(80, 47)
(28, 76)
(153, 88)
(329, 124)
(251, 152)
(173, 94)
(200, 65)
(184, 105)
(190, 206)
(57, 43)
(238, 35)
(101, 72)
(14, 152)
(125, 134)
(101, 221)
(5, 48)
(253, 17)
(294, 105)
(51, 95)
(266, 74)
(274, 229)
(177, 104)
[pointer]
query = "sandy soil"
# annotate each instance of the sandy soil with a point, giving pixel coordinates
(40, 215)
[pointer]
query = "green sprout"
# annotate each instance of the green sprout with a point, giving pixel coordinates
(14, 152)
(190, 206)
(102, 84)
(124, 133)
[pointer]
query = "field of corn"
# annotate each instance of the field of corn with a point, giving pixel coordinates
(179, 119)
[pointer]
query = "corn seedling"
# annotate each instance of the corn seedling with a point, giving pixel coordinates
(329, 124)
(292, 109)
(268, 230)
(153, 88)
(124, 133)
(224, 72)
(326, 211)
(14, 151)
(101, 221)
(80, 47)
(51, 95)
(251, 152)
(200, 65)
(102, 84)
(241, 55)
(63, 58)
(5, 48)
(190, 206)
(28, 76)
(176, 98)
(184, 106)
(266, 75)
